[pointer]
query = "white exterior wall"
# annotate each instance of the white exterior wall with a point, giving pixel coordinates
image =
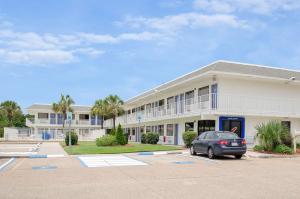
(255, 99)
(91, 131)
(279, 96)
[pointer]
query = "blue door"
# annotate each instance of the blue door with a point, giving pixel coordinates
(233, 124)
(214, 96)
(176, 135)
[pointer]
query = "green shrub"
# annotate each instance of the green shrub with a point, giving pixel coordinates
(74, 138)
(188, 138)
(120, 136)
(152, 138)
(258, 148)
(298, 145)
(1, 132)
(106, 140)
(112, 132)
(144, 138)
(272, 134)
(126, 135)
(281, 148)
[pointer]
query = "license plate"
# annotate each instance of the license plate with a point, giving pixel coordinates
(234, 144)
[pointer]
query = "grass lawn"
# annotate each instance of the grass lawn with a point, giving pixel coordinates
(89, 147)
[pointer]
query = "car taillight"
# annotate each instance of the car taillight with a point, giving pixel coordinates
(223, 142)
(243, 142)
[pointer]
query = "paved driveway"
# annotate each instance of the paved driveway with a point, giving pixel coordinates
(164, 176)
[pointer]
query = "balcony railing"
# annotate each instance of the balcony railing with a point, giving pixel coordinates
(231, 104)
(30, 122)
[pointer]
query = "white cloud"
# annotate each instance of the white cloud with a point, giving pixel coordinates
(89, 51)
(264, 7)
(144, 36)
(39, 49)
(97, 38)
(40, 57)
(171, 3)
(191, 20)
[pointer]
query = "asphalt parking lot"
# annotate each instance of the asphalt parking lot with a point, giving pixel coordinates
(160, 176)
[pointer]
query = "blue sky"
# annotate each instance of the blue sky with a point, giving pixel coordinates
(90, 49)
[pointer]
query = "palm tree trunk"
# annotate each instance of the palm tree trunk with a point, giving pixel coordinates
(102, 121)
(10, 118)
(114, 122)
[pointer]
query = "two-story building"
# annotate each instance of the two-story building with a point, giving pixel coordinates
(47, 125)
(220, 96)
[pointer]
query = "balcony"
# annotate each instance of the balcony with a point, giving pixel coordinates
(47, 122)
(230, 104)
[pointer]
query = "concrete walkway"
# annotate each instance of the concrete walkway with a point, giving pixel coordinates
(51, 148)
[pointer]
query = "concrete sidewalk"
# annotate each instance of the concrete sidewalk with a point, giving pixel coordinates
(51, 148)
(253, 154)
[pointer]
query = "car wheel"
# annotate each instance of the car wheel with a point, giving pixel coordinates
(192, 151)
(210, 153)
(238, 156)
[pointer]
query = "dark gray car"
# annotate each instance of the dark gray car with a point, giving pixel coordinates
(219, 143)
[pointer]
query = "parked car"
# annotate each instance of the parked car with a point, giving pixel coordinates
(219, 143)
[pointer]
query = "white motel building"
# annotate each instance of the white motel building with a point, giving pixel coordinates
(220, 96)
(48, 125)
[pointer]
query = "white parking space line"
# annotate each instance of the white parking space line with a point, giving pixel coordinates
(109, 161)
(6, 163)
(200, 158)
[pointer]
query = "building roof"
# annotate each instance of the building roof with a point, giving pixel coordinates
(49, 107)
(234, 68)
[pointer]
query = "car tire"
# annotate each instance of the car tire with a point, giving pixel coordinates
(210, 153)
(192, 151)
(238, 156)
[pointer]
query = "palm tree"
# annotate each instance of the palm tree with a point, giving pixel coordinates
(63, 106)
(10, 108)
(100, 109)
(114, 107)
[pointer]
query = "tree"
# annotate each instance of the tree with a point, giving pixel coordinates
(114, 107)
(100, 109)
(120, 135)
(10, 109)
(63, 106)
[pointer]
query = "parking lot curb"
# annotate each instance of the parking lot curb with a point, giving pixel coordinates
(34, 156)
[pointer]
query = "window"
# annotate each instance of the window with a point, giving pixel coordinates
(170, 129)
(203, 94)
(170, 101)
(206, 125)
(214, 96)
(43, 115)
(201, 136)
(189, 126)
(148, 129)
(287, 124)
(84, 116)
(142, 129)
(148, 108)
(133, 131)
(161, 102)
(228, 135)
(154, 129)
(161, 130)
(189, 97)
(211, 135)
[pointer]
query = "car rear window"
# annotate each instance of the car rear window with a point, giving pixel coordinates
(228, 135)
